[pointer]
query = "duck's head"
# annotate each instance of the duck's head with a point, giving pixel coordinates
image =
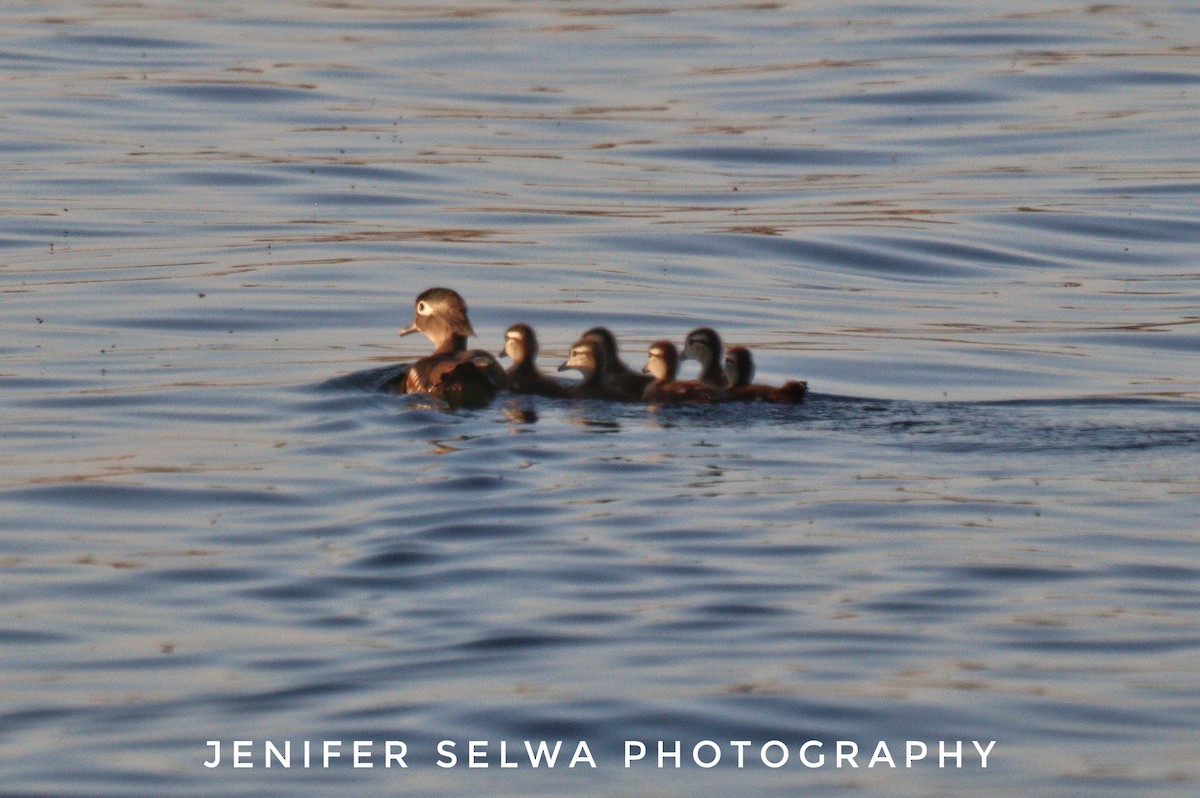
(739, 366)
(607, 341)
(441, 314)
(702, 344)
(662, 360)
(520, 343)
(587, 357)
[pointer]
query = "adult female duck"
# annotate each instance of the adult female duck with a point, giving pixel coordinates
(462, 377)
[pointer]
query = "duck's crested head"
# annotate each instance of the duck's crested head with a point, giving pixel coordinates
(739, 366)
(440, 313)
(607, 340)
(520, 343)
(702, 344)
(662, 360)
(587, 357)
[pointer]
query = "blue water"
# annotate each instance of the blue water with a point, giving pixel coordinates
(972, 229)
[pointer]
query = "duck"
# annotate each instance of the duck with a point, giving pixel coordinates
(588, 358)
(460, 376)
(663, 363)
(739, 369)
(521, 344)
(618, 380)
(704, 346)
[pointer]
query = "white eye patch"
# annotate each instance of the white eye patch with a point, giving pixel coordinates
(424, 309)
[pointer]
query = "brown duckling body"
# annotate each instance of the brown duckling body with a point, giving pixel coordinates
(587, 357)
(520, 343)
(739, 368)
(618, 380)
(704, 346)
(460, 376)
(663, 363)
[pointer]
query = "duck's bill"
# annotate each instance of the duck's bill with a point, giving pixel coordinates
(409, 330)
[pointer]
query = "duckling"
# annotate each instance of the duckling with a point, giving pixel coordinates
(460, 376)
(704, 345)
(521, 345)
(619, 381)
(739, 368)
(663, 363)
(587, 357)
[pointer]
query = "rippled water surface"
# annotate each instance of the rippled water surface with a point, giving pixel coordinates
(972, 227)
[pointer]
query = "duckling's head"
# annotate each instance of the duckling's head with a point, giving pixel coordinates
(608, 341)
(441, 314)
(587, 357)
(702, 344)
(739, 366)
(662, 360)
(520, 343)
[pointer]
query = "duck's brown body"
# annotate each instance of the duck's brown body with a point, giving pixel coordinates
(460, 376)
(520, 343)
(739, 368)
(663, 363)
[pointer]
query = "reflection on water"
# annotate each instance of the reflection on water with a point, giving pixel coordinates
(972, 230)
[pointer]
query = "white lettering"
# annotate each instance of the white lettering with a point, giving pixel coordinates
(882, 754)
(330, 750)
(716, 754)
(740, 745)
(504, 763)
(676, 754)
(543, 753)
(394, 756)
(445, 748)
(910, 756)
(284, 759)
(362, 754)
(477, 754)
(943, 755)
(583, 754)
(768, 746)
(814, 763)
(216, 760)
(847, 750)
(983, 752)
(242, 753)
(629, 755)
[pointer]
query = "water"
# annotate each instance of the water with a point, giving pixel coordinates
(972, 229)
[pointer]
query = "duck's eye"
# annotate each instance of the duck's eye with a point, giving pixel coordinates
(423, 309)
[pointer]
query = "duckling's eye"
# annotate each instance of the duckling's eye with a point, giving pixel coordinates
(423, 309)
